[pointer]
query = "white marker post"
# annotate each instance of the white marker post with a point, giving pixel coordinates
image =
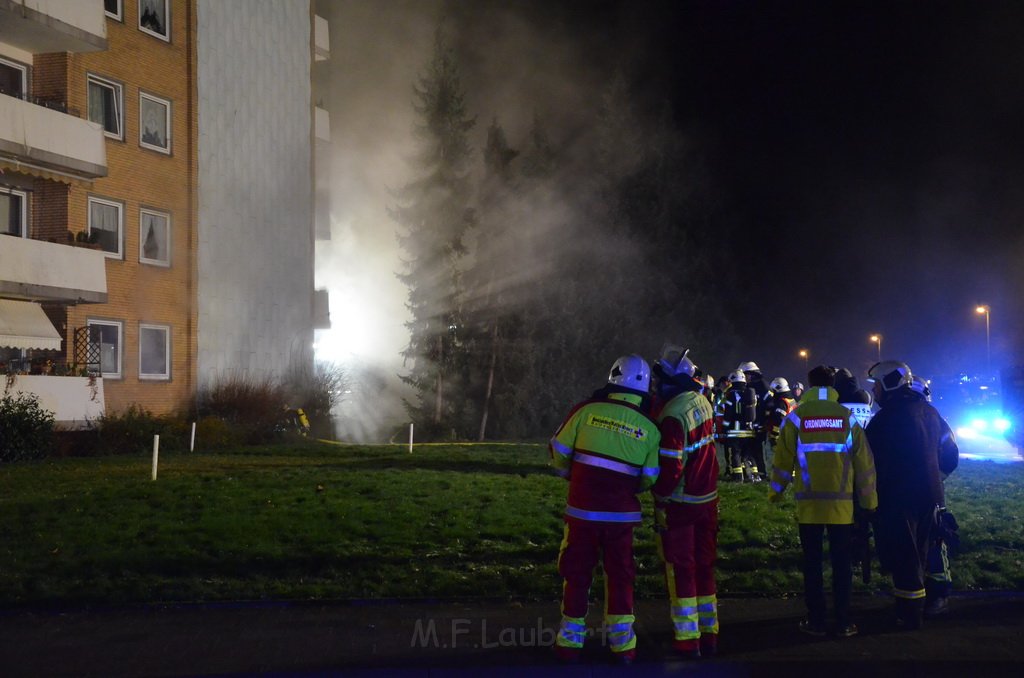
(410, 438)
(156, 453)
(192, 442)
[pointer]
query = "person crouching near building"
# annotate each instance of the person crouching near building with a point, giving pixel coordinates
(686, 503)
(607, 448)
(824, 453)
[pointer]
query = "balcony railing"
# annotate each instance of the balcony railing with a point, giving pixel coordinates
(52, 104)
(44, 137)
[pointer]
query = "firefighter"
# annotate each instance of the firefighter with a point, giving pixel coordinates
(780, 405)
(938, 582)
(906, 436)
(686, 504)
(754, 459)
(798, 390)
(738, 414)
(853, 397)
(607, 449)
(823, 451)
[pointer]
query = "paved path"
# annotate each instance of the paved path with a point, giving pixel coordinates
(982, 636)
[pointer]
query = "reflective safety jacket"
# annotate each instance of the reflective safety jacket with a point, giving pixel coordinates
(608, 451)
(739, 412)
(824, 452)
(779, 408)
(689, 464)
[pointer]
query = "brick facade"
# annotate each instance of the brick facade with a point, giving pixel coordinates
(139, 178)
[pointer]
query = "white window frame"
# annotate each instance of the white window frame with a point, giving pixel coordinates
(145, 211)
(24, 208)
(120, 346)
(118, 90)
(159, 101)
(24, 74)
(119, 16)
(167, 20)
(119, 254)
(166, 374)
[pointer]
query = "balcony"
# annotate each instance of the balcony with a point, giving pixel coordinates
(76, 402)
(36, 137)
(44, 26)
(321, 39)
(35, 270)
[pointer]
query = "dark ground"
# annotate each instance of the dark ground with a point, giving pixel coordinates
(980, 637)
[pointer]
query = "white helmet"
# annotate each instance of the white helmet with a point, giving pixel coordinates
(674, 361)
(797, 386)
(778, 385)
(737, 377)
(749, 366)
(891, 374)
(632, 372)
(920, 384)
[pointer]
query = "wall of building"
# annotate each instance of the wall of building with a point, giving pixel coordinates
(255, 257)
(140, 178)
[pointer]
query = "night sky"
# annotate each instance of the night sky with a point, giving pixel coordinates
(866, 159)
(872, 154)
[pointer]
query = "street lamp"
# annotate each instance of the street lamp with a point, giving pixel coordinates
(988, 343)
(877, 338)
(803, 354)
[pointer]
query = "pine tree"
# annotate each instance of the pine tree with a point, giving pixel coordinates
(435, 213)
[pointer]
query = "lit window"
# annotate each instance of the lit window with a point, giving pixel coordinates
(112, 8)
(154, 238)
(154, 18)
(13, 218)
(105, 335)
(105, 105)
(105, 225)
(154, 352)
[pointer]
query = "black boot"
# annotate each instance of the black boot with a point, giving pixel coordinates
(909, 613)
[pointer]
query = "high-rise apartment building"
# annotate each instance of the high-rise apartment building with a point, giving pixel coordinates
(156, 197)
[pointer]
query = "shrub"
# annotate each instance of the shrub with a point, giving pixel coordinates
(317, 388)
(249, 405)
(26, 429)
(213, 433)
(131, 431)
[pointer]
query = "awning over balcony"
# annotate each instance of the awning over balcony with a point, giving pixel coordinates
(24, 325)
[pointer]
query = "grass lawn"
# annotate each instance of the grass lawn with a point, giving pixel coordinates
(322, 521)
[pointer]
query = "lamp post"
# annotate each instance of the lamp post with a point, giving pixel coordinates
(877, 338)
(988, 343)
(803, 354)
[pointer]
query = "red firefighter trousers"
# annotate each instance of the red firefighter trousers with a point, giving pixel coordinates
(690, 545)
(584, 544)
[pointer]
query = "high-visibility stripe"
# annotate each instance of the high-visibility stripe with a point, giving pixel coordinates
(794, 419)
(777, 488)
(783, 475)
(686, 611)
(685, 619)
(745, 433)
(560, 448)
(706, 440)
(821, 447)
(707, 609)
(571, 632)
(668, 452)
(700, 499)
(620, 631)
(604, 516)
(909, 595)
(609, 464)
(651, 470)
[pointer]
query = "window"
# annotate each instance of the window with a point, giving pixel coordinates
(105, 105)
(154, 352)
(13, 79)
(113, 9)
(13, 217)
(105, 225)
(106, 335)
(154, 123)
(154, 18)
(154, 238)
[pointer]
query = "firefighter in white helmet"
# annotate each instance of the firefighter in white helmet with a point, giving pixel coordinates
(607, 448)
(739, 412)
(686, 503)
